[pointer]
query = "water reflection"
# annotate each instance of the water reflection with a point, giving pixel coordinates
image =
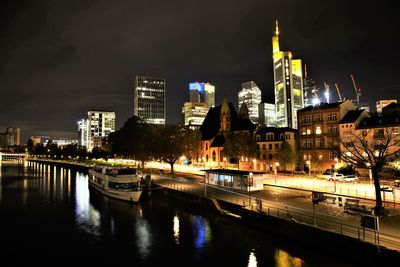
(87, 217)
(202, 231)
(252, 260)
(176, 229)
(284, 259)
(144, 238)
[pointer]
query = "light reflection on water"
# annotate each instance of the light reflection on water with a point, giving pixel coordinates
(144, 238)
(202, 232)
(87, 217)
(176, 229)
(252, 260)
(284, 259)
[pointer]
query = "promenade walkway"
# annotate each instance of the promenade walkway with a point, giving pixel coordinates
(291, 204)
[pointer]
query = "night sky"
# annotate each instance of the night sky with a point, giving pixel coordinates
(59, 59)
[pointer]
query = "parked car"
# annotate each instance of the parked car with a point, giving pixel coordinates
(335, 177)
(350, 179)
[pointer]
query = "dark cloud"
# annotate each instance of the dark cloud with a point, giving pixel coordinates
(59, 59)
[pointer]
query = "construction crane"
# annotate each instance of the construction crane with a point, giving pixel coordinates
(338, 92)
(358, 91)
(326, 94)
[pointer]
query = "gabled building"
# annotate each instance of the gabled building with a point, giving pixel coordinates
(219, 121)
(319, 134)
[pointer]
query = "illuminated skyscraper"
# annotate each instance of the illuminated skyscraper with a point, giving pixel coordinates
(267, 114)
(201, 99)
(83, 132)
(149, 99)
(288, 81)
(13, 136)
(251, 95)
(100, 125)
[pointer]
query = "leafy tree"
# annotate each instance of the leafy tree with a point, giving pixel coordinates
(239, 144)
(134, 139)
(172, 142)
(286, 155)
(372, 149)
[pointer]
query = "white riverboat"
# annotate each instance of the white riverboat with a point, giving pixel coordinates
(119, 183)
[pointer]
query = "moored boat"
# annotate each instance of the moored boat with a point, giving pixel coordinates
(120, 183)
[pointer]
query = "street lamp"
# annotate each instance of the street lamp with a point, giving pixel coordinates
(309, 167)
(248, 186)
(255, 164)
(276, 169)
(225, 161)
(337, 163)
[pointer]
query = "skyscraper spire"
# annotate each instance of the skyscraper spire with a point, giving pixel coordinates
(275, 39)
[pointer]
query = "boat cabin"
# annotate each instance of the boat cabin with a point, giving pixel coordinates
(235, 179)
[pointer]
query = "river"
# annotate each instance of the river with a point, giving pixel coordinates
(49, 217)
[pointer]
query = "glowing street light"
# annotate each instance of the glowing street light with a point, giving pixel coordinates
(276, 169)
(309, 167)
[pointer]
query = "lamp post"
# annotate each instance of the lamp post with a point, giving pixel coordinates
(225, 161)
(309, 167)
(276, 170)
(254, 164)
(248, 186)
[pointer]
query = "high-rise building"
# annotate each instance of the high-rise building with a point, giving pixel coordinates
(310, 92)
(201, 99)
(267, 114)
(202, 92)
(383, 103)
(288, 83)
(13, 136)
(209, 95)
(100, 125)
(83, 132)
(194, 113)
(251, 95)
(194, 92)
(149, 99)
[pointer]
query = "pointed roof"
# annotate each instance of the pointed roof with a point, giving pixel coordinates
(211, 124)
(244, 111)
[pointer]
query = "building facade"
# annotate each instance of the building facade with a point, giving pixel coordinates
(288, 84)
(83, 132)
(269, 143)
(220, 121)
(150, 99)
(383, 103)
(13, 136)
(319, 134)
(251, 95)
(267, 114)
(100, 125)
(194, 113)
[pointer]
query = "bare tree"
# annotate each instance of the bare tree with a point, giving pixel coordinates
(371, 149)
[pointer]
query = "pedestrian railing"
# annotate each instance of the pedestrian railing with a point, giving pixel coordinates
(268, 208)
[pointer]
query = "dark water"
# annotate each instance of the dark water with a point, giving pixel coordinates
(49, 217)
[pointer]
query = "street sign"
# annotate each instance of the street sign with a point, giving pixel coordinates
(370, 222)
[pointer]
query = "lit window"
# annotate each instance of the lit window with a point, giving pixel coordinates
(318, 130)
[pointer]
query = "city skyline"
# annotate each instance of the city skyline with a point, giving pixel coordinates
(77, 59)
